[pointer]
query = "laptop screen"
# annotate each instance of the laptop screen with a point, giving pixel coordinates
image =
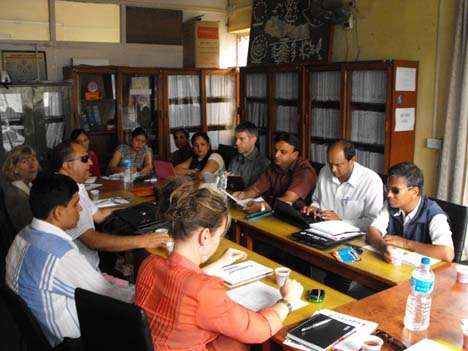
(163, 169)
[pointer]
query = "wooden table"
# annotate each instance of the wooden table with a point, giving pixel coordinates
(143, 190)
(449, 305)
(372, 271)
(333, 298)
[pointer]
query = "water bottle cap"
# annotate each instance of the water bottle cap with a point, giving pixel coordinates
(425, 260)
(220, 171)
(126, 163)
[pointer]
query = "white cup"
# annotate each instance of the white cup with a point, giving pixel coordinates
(372, 343)
(282, 274)
(170, 246)
(462, 274)
(94, 194)
(396, 257)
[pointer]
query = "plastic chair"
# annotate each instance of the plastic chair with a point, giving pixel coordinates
(31, 333)
(108, 324)
(458, 219)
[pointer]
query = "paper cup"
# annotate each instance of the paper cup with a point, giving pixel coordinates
(372, 343)
(282, 274)
(170, 246)
(94, 194)
(462, 274)
(396, 257)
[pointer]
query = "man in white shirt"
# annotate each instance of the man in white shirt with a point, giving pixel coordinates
(71, 159)
(346, 190)
(409, 219)
(44, 266)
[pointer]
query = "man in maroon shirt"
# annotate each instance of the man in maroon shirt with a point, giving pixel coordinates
(182, 142)
(289, 178)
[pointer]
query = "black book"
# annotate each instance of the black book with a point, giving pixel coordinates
(320, 332)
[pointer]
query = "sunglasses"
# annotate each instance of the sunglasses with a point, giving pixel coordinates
(395, 190)
(396, 344)
(83, 159)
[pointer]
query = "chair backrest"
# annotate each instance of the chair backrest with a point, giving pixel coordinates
(227, 152)
(110, 324)
(458, 216)
(31, 332)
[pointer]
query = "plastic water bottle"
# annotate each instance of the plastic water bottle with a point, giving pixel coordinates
(222, 180)
(418, 305)
(127, 173)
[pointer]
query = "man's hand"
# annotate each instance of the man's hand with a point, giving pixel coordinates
(256, 206)
(329, 215)
(154, 240)
(311, 211)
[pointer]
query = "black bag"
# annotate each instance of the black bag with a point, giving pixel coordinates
(138, 219)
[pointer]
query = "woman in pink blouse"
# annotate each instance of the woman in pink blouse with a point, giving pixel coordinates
(188, 308)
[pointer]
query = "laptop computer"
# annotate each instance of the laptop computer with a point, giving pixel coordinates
(141, 218)
(288, 213)
(235, 183)
(163, 169)
(319, 241)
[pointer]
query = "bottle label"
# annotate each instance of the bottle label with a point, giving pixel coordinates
(422, 286)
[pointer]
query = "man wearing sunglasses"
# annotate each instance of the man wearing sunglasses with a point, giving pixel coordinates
(409, 219)
(71, 159)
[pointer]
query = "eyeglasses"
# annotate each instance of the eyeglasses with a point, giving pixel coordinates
(396, 344)
(83, 159)
(395, 190)
(27, 161)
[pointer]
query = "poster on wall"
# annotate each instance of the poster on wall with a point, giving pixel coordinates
(287, 31)
(25, 66)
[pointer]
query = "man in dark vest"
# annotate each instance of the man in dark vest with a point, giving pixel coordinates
(409, 220)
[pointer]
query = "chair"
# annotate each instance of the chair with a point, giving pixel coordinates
(108, 324)
(31, 333)
(458, 216)
(227, 152)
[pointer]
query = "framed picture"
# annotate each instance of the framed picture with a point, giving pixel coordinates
(25, 66)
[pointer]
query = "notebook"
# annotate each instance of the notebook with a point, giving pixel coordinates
(163, 169)
(243, 272)
(321, 332)
(288, 213)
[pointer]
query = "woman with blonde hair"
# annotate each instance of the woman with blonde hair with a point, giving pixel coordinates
(186, 306)
(20, 169)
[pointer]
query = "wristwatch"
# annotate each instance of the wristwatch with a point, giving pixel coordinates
(287, 303)
(262, 207)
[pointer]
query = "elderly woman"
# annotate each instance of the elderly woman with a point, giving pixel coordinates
(137, 152)
(187, 306)
(20, 169)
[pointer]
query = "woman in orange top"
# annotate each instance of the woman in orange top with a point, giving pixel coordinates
(187, 308)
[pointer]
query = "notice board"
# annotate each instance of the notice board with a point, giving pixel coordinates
(286, 31)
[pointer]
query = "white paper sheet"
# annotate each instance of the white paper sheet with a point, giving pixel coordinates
(404, 119)
(405, 79)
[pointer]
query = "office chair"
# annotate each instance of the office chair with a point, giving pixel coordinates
(31, 333)
(227, 152)
(108, 324)
(458, 219)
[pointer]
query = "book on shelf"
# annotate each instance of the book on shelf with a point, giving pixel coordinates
(243, 272)
(321, 332)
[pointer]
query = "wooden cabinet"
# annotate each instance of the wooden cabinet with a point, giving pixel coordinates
(39, 115)
(373, 104)
(161, 100)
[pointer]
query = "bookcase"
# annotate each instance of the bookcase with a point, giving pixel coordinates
(37, 114)
(371, 103)
(159, 100)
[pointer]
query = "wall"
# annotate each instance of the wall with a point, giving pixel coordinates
(407, 29)
(59, 54)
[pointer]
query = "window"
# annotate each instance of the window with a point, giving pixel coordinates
(78, 21)
(24, 20)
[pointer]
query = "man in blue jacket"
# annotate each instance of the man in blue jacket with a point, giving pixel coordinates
(409, 219)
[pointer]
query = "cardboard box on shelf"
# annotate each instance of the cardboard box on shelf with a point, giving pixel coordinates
(201, 44)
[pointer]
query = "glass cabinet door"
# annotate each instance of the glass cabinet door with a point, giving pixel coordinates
(221, 108)
(286, 103)
(184, 98)
(16, 105)
(256, 104)
(140, 107)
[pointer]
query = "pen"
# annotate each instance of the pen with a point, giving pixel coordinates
(315, 325)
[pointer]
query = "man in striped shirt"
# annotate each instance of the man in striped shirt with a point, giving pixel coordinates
(44, 265)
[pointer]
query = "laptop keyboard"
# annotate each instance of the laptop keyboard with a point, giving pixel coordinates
(315, 240)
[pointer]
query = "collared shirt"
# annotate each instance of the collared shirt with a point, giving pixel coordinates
(439, 228)
(299, 178)
(249, 167)
(44, 267)
(85, 222)
(182, 154)
(189, 310)
(356, 201)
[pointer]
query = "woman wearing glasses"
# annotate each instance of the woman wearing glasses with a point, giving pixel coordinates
(20, 169)
(187, 307)
(81, 136)
(137, 152)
